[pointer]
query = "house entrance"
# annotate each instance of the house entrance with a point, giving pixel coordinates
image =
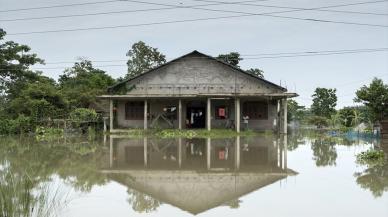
(196, 115)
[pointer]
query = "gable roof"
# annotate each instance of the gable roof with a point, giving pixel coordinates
(195, 52)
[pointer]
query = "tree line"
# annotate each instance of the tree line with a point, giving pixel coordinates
(323, 113)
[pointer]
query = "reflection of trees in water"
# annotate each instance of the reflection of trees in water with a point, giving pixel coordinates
(375, 177)
(324, 151)
(76, 161)
(141, 202)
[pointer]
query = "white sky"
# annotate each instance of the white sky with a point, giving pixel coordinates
(247, 35)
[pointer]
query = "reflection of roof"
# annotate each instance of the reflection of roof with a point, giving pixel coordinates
(192, 191)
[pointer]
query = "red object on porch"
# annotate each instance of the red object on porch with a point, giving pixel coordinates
(221, 155)
(221, 112)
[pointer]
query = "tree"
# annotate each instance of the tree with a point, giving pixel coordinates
(295, 111)
(142, 58)
(38, 100)
(232, 58)
(82, 83)
(15, 61)
(347, 116)
(375, 98)
(324, 102)
(256, 72)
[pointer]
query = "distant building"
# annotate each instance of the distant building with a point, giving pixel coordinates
(197, 91)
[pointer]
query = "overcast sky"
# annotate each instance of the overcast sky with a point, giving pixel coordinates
(246, 35)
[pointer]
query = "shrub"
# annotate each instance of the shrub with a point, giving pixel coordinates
(318, 121)
(84, 115)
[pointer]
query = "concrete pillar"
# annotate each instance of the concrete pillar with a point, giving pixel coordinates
(284, 116)
(110, 151)
(110, 115)
(237, 114)
(145, 114)
(208, 150)
(180, 152)
(105, 127)
(145, 141)
(208, 114)
(285, 151)
(237, 152)
(180, 114)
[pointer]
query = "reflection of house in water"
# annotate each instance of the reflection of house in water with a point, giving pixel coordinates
(197, 174)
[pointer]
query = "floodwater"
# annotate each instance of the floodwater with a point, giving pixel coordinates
(302, 174)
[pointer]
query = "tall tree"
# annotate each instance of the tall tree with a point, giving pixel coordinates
(82, 83)
(375, 98)
(15, 60)
(232, 58)
(142, 58)
(324, 102)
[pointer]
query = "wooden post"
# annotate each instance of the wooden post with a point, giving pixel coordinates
(208, 114)
(105, 127)
(180, 114)
(285, 116)
(111, 115)
(237, 114)
(145, 114)
(285, 152)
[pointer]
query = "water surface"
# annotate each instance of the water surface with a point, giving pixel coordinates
(302, 174)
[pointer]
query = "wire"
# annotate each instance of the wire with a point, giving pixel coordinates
(60, 6)
(279, 55)
(242, 14)
(122, 11)
(274, 57)
(321, 9)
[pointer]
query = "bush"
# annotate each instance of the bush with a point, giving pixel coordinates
(21, 124)
(84, 115)
(318, 121)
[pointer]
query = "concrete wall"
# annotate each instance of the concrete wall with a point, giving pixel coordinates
(156, 107)
(197, 75)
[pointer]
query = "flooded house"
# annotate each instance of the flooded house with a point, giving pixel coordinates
(197, 91)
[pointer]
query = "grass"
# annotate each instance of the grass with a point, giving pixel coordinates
(21, 196)
(197, 133)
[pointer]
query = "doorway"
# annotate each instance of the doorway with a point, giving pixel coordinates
(196, 116)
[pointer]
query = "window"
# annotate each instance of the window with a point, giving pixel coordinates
(256, 110)
(221, 112)
(134, 110)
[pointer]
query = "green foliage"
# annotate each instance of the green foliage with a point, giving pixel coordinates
(324, 102)
(371, 157)
(82, 83)
(295, 111)
(19, 125)
(232, 58)
(375, 98)
(142, 58)
(47, 133)
(318, 121)
(84, 115)
(39, 100)
(256, 72)
(15, 61)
